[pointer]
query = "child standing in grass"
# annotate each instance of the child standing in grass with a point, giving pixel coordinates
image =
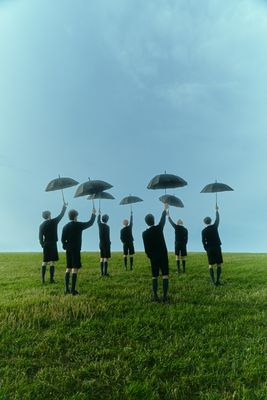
(72, 243)
(48, 238)
(104, 243)
(181, 238)
(212, 244)
(156, 250)
(127, 239)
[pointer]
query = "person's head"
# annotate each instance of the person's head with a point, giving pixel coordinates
(73, 214)
(105, 218)
(179, 222)
(125, 222)
(207, 220)
(150, 220)
(46, 214)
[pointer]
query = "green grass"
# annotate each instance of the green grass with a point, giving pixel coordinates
(112, 342)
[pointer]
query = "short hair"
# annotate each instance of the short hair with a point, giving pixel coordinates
(150, 220)
(46, 214)
(207, 220)
(125, 222)
(73, 214)
(180, 222)
(105, 218)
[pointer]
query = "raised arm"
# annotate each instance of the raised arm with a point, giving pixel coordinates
(85, 225)
(217, 220)
(171, 222)
(61, 215)
(131, 220)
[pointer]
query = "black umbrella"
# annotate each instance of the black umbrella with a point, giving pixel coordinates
(100, 196)
(215, 188)
(130, 200)
(171, 200)
(166, 181)
(60, 183)
(91, 187)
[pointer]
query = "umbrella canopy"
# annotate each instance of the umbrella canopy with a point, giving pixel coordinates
(100, 196)
(91, 187)
(166, 181)
(60, 183)
(216, 187)
(130, 200)
(171, 200)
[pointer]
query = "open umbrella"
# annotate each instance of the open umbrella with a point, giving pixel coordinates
(215, 188)
(130, 200)
(171, 200)
(60, 183)
(91, 187)
(166, 181)
(100, 196)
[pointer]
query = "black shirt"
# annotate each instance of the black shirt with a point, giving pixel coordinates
(72, 233)
(104, 237)
(126, 232)
(210, 235)
(154, 242)
(181, 233)
(48, 229)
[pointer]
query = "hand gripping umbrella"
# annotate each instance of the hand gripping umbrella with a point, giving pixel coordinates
(215, 188)
(171, 200)
(100, 196)
(60, 183)
(166, 181)
(130, 200)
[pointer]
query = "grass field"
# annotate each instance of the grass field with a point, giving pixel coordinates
(112, 342)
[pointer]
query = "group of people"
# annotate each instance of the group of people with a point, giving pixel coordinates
(153, 239)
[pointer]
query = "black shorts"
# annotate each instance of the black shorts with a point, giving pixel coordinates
(50, 252)
(128, 248)
(180, 249)
(159, 265)
(214, 255)
(105, 251)
(73, 257)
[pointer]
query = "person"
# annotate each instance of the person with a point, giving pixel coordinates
(48, 238)
(72, 242)
(181, 239)
(104, 243)
(212, 244)
(127, 239)
(156, 250)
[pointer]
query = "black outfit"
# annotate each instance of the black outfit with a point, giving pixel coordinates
(72, 241)
(104, 239)
(155, 247)
(181, 239)
(212, 243)
(48, 237)
(127, 238)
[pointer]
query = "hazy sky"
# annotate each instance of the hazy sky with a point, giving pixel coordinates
(123, 90)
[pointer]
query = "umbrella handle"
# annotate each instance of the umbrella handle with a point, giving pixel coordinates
(63, 196)
(216, 201)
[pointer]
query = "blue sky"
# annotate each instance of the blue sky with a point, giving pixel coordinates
(123, 90)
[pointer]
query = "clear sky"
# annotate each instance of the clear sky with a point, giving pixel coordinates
(123, 90)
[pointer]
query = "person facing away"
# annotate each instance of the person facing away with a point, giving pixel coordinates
(72, 242)
(104, 243)
(127, 239)
(212, 244)
(156, 250)
(48, 238)
(181, 239)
